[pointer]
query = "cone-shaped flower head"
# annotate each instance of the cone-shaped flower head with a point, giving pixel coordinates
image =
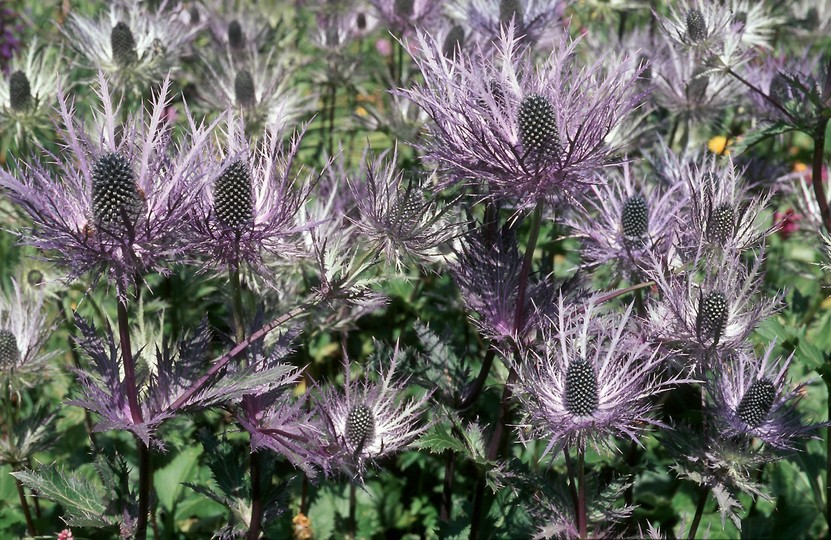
(710, 306)
(753, 397)
(528, 132)
(119, 199)
(24, 329)
(589, 381)
(28, 94)
(369, 420)
(403, 17)
(400, 217)
(252, 200)
(135, 46)
(257, 86)
(627, 222)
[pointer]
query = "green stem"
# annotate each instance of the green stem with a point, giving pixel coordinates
(236, 304)
(145, 479)
(699, 511)
(536, 221)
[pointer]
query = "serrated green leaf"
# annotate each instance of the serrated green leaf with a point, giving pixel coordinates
(438, 440)
(84, 502)
(754, 137)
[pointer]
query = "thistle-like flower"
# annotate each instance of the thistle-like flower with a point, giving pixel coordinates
(752, 397)
(712, 313)
(698, 26)
(722, 213)
(29, 94)
(488, 272)
(24, 329)
(118, 201)
(257, 87)
(627, 223)
(250, 205)
(754, 21)
(690, 90)
(532, 19)
(403, 17)
(399, 217)
(529, 133)
(369, 420)
(135, 46)
(240, 26)
(718, 464)
(589, 381)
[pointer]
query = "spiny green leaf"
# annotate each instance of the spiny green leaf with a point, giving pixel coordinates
(85, 503)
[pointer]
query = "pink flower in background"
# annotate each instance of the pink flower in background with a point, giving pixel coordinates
(65, 534)
(787, 222)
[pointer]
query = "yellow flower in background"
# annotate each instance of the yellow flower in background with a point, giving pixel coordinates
(799, 167)
(302, 527)
(719, 145)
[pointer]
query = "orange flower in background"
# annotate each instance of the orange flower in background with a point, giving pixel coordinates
(302, 527)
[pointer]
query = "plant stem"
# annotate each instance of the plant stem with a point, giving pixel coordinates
(582, 526)
(144, 489)
(476, 511)
(536, 221)
(447, 491)
(699, 510)
(236, 304)
(827, 380)
(127, 359)
(30, 525)
(572, 489)
(472, 393)
(816, 174)
(353, 503)
(766, 97)
(256, 498)
(135, 412)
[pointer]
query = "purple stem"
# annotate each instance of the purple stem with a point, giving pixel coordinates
(816, 174)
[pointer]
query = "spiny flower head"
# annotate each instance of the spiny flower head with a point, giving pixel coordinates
(24, 329)
(722, 213)
(752, 397)
(119, 200)
(709, 307)
(527, 132)
(406, 16)
(251, 203)
(29, 93)
(698, 26)
(134, 46)
(589, 380)
(534, 20)
(627, 223)
(257, 86)
(369, 420)
(689, 89)
(243, 26)
(398, 216)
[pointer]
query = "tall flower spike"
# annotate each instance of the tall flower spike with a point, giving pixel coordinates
(627, 224)
(399, 217)
(368, 420)
(28, 95)
(24, 329)
(527, 132)
(752, 397)
(588, 382)
(118, 202)
(257, 86)
(712, 314)
(136, 47)
(251, 204)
